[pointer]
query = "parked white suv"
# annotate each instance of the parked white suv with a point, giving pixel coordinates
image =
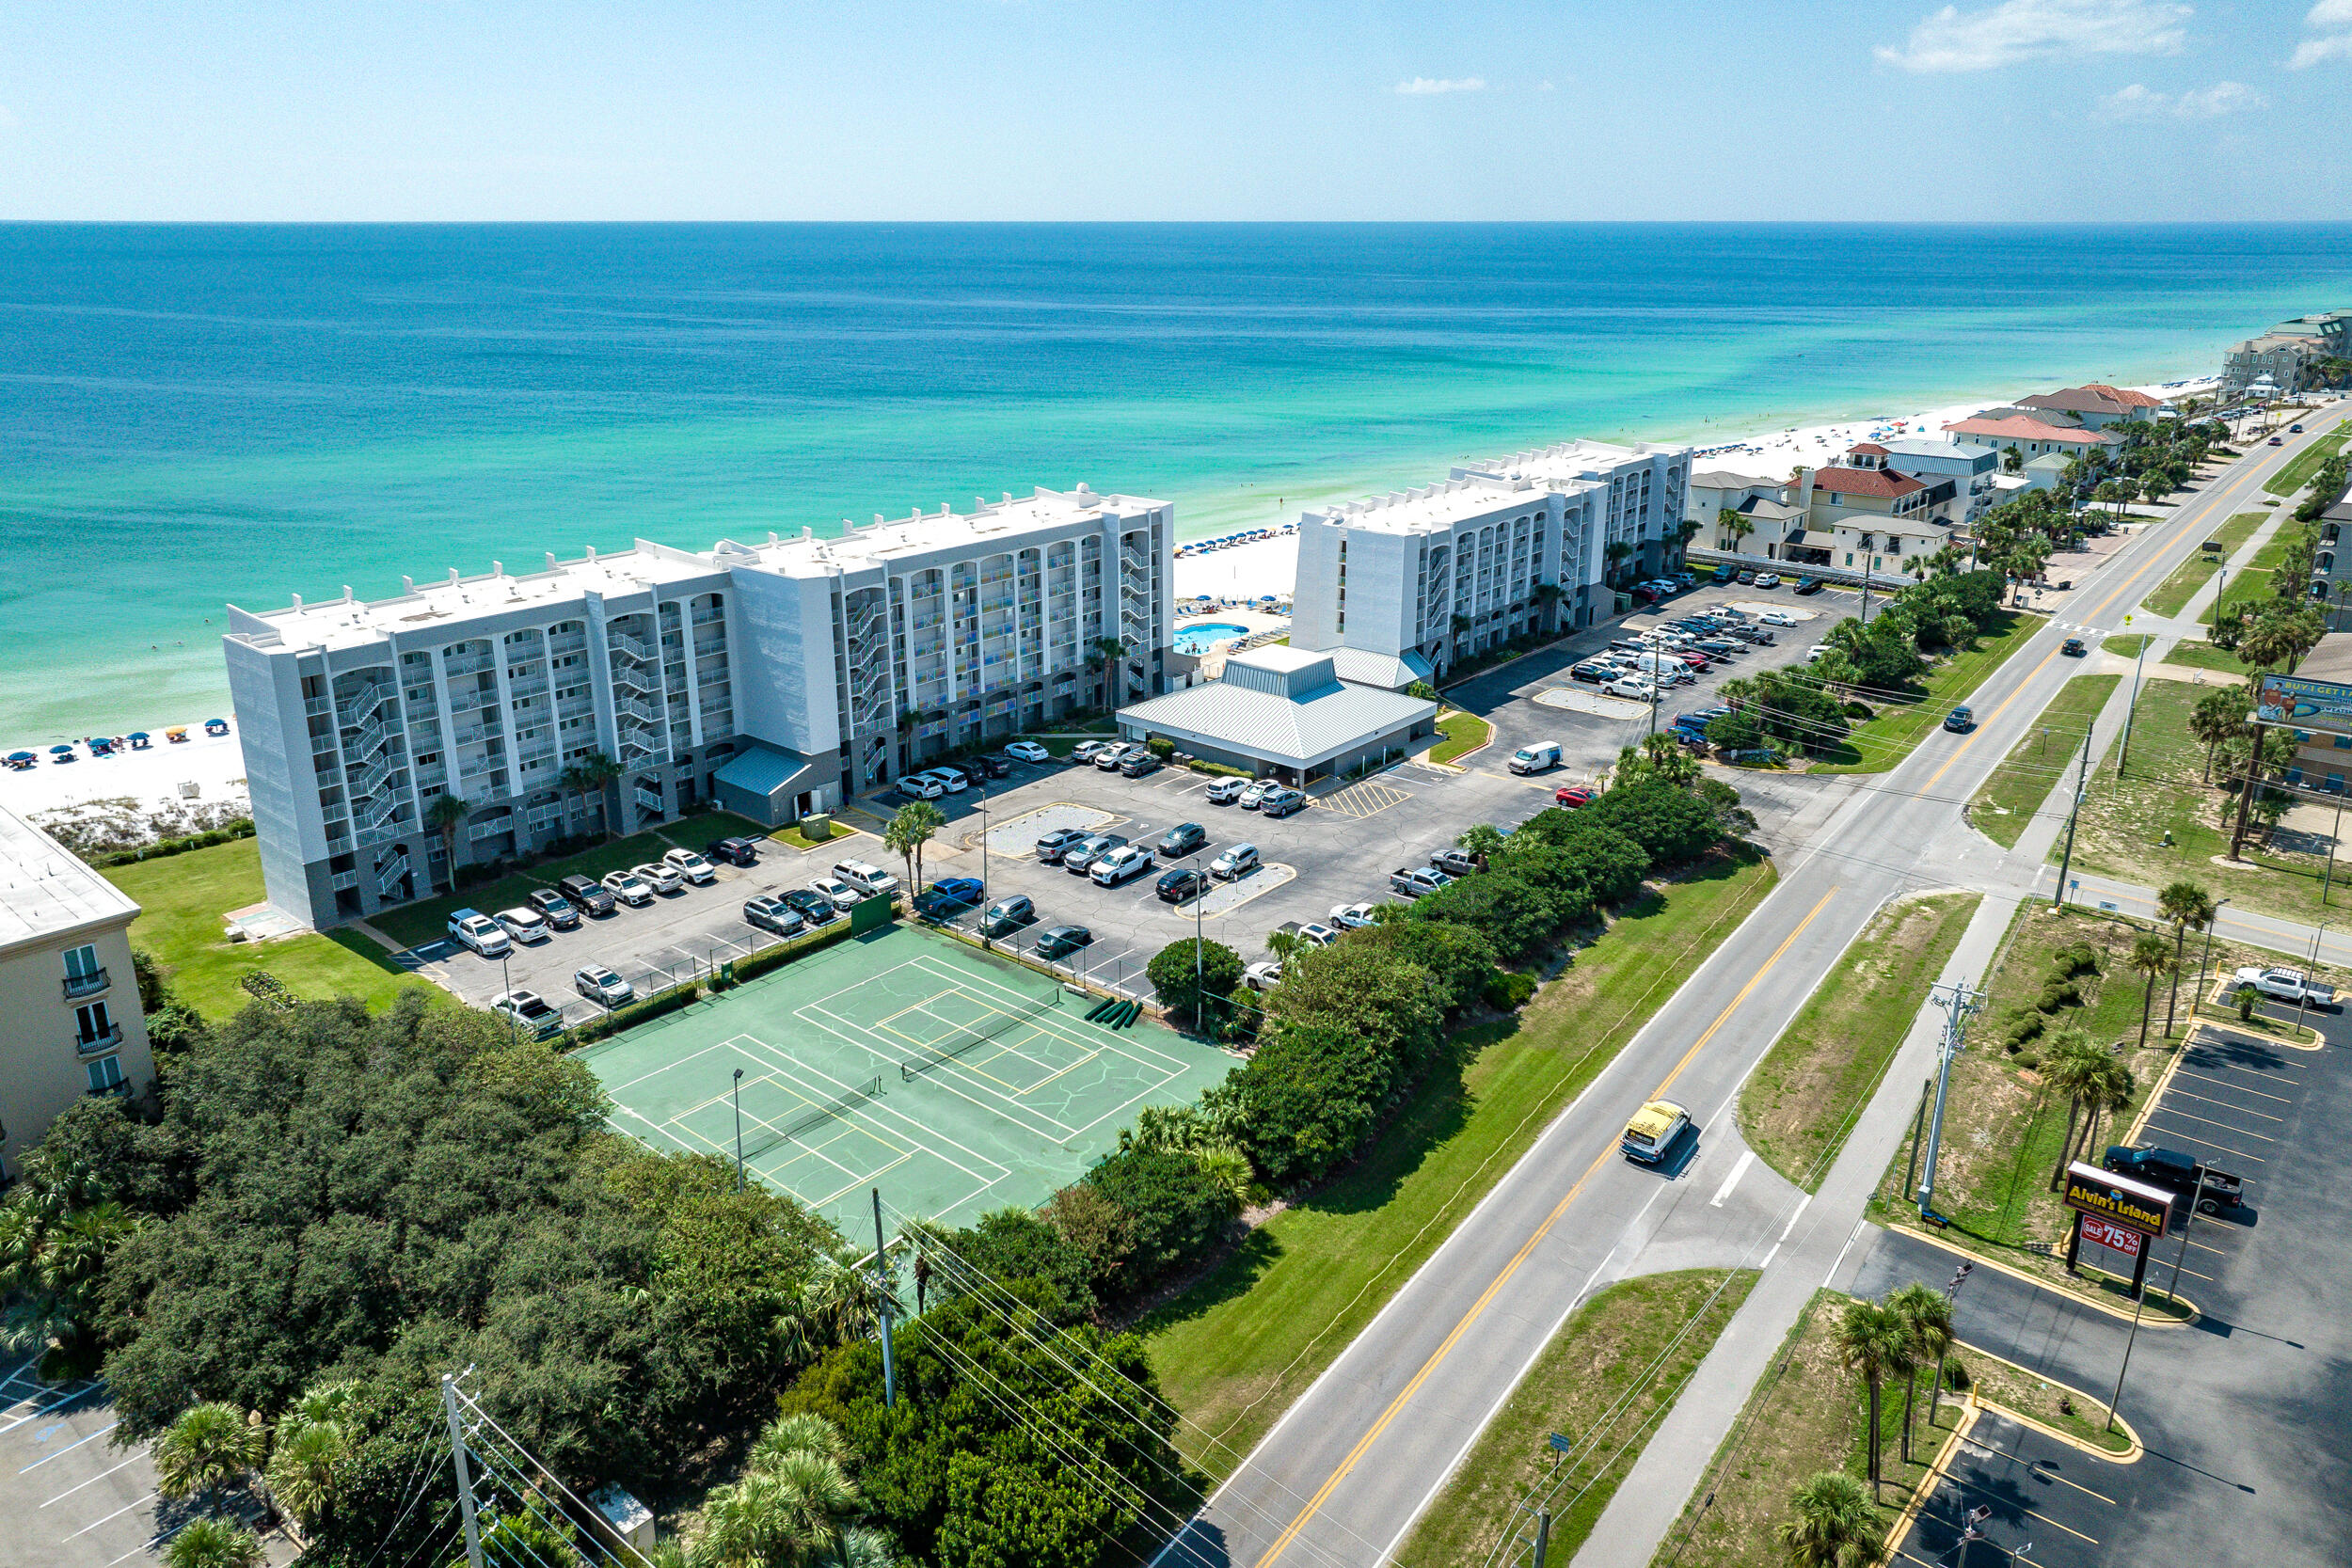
(840, 894)
(690, 865)
(629, 887)
(866, 878)
(661, 875)
(480, 933)
(1122, 864)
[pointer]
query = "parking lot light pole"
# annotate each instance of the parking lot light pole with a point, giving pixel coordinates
(2305, 1000)
(736, 1093)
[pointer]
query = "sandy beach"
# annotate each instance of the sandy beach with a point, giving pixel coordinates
(155, 777)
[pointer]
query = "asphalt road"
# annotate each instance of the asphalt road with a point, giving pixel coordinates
(1341, 1479)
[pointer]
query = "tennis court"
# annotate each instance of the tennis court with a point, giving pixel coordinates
(955, 1081)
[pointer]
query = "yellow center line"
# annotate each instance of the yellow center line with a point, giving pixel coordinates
(1405, 1395)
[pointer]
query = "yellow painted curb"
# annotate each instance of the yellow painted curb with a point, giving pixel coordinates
(1928, 1483)
(2055, 1288)
(2128, 1456)
(2215, 1000)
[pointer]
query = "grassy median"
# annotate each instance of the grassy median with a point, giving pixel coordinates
(2016, 789)
(2292, 477)
(1464, 734)
(181, 899)
(1236, 1349)
(1604, 1383)
(2171, 596)
(1883, 742)
(1800, 1100)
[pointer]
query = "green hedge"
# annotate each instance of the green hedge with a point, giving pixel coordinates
(638, 1012)
(242, 828)
(783, 952)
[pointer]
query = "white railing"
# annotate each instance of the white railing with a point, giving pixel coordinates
(628, 678)
(464, 664)
(634, 647)
(375, 812)
(710, 617)
(388, 875)
(384, 835)
(370, 739)
(372, 780)
(343, 881)
(317, 706)
(492, 828)
(636, 709)
(649, 800)
(530, 686)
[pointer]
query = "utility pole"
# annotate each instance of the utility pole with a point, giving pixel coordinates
(1543, 1536)
(2132, 708)
(1960, 1003)
(2082, 783)
(465, 1476)
(882, 1303)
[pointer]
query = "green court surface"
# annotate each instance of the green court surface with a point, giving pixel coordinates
(955, 1081)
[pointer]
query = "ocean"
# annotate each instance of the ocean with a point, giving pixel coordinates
(192, 416)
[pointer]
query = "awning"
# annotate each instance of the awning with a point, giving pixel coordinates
(764, 773)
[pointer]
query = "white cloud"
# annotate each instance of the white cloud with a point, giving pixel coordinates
(2015, 30)
(2223, 98)
(1428, 87)
(2327, 13)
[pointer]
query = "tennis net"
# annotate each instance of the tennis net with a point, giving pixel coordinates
(947, 1051)
(815, 1115)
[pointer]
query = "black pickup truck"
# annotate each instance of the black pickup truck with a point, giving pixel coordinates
(2175, 1172)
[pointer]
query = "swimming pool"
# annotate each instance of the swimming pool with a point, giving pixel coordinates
(1201, 636)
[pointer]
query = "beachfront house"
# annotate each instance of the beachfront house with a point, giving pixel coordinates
(2031, 432)
(1971, 470)
(2094, 407)
(1525, 544)
(1760, 516)
(66, 990)
(2287, 354)
(1862, 515)
(615, 692)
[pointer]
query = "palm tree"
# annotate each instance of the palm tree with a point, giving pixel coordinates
(2012, 461)
(1614, 556)
(2185, 905)
(792, 1506)
(1733, 526)
(1668, 760)
(2071, 1067)
(596, 772)
(2109, 1089)
(1874, 1344)
(209, 1543)
(1110, 650)
(911, 828)
(1547, 598)
(208, 1448)
(305, 1471)
(2219, 716)
(1927, 1314)
(445, 815)
(2150, 957)
(1835, 1525)
(1283, 944)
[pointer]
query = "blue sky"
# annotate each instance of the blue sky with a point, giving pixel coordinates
(1239, 110)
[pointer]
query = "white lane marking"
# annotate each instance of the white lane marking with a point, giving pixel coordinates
(1843, 1250)
(70, 1447)
(116, 1514)
(1794, 1216)
(96, 1479)
(1732, 1180)
(1767, 1257)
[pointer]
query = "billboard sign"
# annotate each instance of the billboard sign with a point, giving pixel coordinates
(2105, 1196)
(2114, 1237)
(2323, 707)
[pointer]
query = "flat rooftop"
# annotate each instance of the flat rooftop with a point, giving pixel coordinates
(45, 892)
(886, 540)
(1427, 509)
(1567, 461)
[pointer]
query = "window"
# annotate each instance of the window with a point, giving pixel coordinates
(92, 1022)
(105, 1074)
(81, 963)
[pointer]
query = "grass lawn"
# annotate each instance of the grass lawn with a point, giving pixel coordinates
(1807, 1413)
(2171, 596)
(2002, 1133)
(1235, 1349)
(1885, 740)
(2252, 584)
(1800, 1100)
(427, 919)
(182, 897)
(2204, 656)
(2127, 647)
(1464, 732)
(2288, 480)
(2017, 788)
(1636, 1343)
(2125, 822)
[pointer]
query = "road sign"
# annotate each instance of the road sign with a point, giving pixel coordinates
(2114, 1237)
(1561, 1444)
(2119, 1198)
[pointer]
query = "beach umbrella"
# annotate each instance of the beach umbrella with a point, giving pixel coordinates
(22, 757)
(138, 735)
(55, 750)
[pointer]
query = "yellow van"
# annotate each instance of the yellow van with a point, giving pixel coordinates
(1653, 1131)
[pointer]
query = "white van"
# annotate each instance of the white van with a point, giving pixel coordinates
(1536, 758)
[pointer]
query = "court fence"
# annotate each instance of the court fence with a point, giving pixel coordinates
(685, 984)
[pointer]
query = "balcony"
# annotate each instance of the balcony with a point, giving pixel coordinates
(345, 881)
(464, 664)
(79, 986)
(99, 1044)
(633, 647)
(317, 707)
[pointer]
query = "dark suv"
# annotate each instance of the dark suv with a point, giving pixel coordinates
(587, 895)
(733, 851)
(556, 909)
(1134, 765)
(1182, 839)
(1050, 847)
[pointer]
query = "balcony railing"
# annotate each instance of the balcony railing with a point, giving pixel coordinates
(79, 986)
(634, 647)
(343, 881)
(649, 800)
(388, 875)
(464, 664)
(317, 706)
(92, 1045)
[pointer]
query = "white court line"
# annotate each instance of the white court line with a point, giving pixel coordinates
(927, 1141)
(116, 1514)
(96, 1479)
(70, 1447)
(1732, 1180)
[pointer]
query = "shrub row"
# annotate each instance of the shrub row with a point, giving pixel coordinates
(636, 1013)
(2062, 989)
(241, 828)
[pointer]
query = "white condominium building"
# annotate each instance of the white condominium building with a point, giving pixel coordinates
(66, 990)
(617, 691)
(1523, 544)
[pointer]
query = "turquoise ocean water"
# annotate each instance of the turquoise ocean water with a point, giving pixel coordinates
(193, 415)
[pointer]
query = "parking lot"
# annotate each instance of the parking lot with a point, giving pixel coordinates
(71, 1497)
(2021, 1495)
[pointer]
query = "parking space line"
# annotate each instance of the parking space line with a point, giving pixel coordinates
(96, 1479)
(2033, 1465)
(2201, 1138)
(2251, 1072)
(116, 1514)
(2021, 1508)
(2166, 1110)
(70, 1447)
(2242, 1110)
(2281, 1099)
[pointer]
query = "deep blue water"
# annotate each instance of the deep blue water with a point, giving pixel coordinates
(191, 415)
